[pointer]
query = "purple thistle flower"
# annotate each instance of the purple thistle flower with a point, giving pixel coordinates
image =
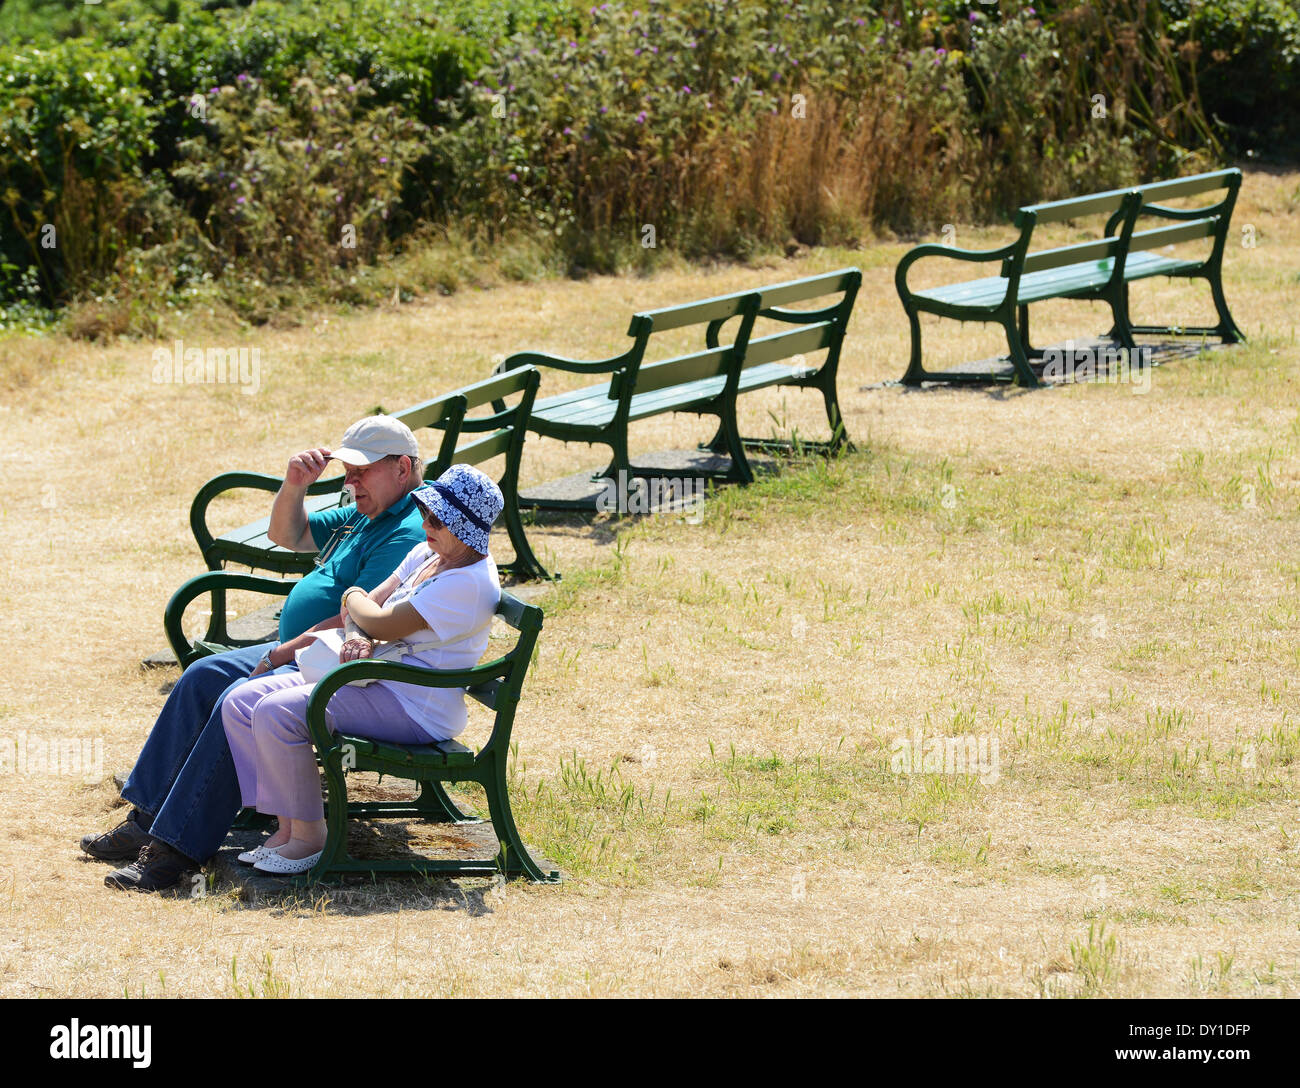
(383, 158)
(240, 200)
(640, 118)
(512, 176)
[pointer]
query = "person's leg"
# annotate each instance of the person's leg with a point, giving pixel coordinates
(181, 722)
(237, 719)
(204, 798)
(168, 746)
(288, 784)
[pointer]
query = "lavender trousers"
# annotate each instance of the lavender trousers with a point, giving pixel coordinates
(266, 724)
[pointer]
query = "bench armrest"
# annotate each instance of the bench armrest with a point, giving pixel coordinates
(232, 481)
(935, 249)
(351, 671)
(215, 582)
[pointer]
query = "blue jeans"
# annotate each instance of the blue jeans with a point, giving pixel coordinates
(185, 778)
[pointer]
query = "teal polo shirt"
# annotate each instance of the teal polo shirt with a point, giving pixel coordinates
(362, 552)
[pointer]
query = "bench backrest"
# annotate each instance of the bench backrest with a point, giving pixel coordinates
(707, 363)
(821, 328)
(1210, 220)
(449, 414)
(445, 414)
(497, 684)
(1124, 208)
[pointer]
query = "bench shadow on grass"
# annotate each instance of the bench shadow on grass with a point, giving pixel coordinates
(366, 893)
(1090, 360)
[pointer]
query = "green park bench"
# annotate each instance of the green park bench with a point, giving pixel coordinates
(707, 381)
(496, 685)
(500, 431)
(1099, 270)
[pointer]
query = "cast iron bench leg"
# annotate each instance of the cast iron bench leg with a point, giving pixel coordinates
(1228, 330)
(1019, 360)
(439, 808)
(513, 858)
(915, 371)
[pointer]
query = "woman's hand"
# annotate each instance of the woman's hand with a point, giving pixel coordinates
(355, 648)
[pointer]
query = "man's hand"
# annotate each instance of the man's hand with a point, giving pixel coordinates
(355, 649)
(305, 468)
(280, 655)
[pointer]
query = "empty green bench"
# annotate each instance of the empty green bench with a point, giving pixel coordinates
(497, 685)
(499, 431)
(709, 380)
(1099, 270)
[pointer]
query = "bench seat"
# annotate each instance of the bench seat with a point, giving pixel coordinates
(1055, 282)
(443, 753)
(593, 406)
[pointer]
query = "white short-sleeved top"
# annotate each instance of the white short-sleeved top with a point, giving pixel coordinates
(457, 605)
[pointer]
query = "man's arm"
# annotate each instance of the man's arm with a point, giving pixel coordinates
(288, 526)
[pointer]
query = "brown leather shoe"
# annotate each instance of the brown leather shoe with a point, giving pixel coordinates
(123, 843)
(159, 866)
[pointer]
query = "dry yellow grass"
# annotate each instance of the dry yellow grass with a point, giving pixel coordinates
(1105, 583)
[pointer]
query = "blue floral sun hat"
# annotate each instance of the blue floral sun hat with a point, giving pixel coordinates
(464, 500)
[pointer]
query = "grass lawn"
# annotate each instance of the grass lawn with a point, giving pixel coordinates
(738, 737)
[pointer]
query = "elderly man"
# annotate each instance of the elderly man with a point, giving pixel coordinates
(183, 787)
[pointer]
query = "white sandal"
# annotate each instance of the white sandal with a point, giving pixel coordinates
(281, 866)
(251, 857)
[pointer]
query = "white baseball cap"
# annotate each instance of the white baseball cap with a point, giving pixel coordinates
(374, 438)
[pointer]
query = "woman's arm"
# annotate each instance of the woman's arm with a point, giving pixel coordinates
(376, 621)
(384, 590)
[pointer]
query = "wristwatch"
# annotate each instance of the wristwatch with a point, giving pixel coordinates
(266, 657)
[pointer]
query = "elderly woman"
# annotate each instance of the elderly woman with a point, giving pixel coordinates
(440, 602)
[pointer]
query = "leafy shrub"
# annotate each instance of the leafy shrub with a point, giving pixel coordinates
(75, 128)
(294, 188)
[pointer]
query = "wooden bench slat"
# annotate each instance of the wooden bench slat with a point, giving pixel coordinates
(1168, 236)
(784, 345)
(695, 313)
(431, 413)
(812, 287)
(483, 449)
(676, 371)
(1066, 255)
(1157, 191)
(1057, 211)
